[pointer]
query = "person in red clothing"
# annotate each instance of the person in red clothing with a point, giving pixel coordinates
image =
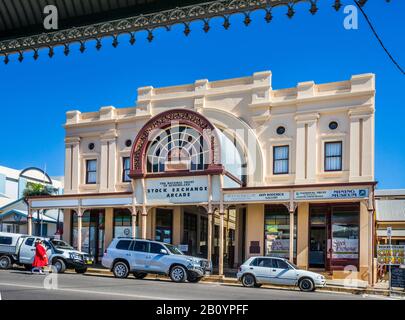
(41, 258)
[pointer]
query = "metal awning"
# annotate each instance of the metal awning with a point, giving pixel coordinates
(390, 210)
(396, 233)
(22, 28)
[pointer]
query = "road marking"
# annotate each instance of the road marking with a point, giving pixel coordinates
(86, 291)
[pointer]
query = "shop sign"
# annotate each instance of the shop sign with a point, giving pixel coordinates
(177, 190)
(277, 247)
(391, 253)
(398, 276)
(331, 194)
(256, 197)
(183, 247)
(344, 248)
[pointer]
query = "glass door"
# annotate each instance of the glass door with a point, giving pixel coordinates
(164, 225)
(317, 240)
(190, 233)
(92, 232)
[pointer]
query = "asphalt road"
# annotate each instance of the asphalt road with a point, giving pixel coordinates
(19, 284)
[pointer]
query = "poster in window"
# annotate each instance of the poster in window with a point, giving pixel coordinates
(277, 247)
(344, 248)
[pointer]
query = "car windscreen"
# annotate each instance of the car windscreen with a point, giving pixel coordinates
(62, 245)
(48, 245)
(173, 249)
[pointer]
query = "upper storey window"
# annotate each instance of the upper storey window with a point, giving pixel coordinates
(126, 166)
(178, 148)
(333, 156)
(91, 171)
(280, 159)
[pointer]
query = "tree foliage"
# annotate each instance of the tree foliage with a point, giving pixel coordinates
(37, 189)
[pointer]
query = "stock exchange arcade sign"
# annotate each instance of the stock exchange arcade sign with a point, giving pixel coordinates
(177, 190)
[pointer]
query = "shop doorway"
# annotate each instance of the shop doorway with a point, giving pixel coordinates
(93, 230)
(164, 225)
(334, 236)
(317, 247)
(190, 233)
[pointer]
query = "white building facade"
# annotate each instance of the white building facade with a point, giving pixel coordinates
(227, 170)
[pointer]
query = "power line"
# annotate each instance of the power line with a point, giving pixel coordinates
(378, 38)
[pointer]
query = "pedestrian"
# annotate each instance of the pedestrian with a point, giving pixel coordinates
(40, 259)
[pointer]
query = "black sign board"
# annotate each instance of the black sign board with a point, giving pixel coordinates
(397, 277)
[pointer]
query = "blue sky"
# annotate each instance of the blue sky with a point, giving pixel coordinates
(34, 95)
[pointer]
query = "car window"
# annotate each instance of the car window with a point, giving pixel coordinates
(174, 249)
(155, 248)
(254, 262)
(123, 244)
(6, 240)
(265, 262)
(47, 245)
(29, 242)
(141, 246)
(281, 264)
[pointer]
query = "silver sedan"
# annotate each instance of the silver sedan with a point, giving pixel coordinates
(274, 270)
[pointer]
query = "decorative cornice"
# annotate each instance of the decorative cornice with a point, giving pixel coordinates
(148, 23)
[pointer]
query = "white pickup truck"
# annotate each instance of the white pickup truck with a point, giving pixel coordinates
(20, 249)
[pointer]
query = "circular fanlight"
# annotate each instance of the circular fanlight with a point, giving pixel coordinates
(91, 146)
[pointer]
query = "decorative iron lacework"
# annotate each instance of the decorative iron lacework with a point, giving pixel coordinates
(149, 22)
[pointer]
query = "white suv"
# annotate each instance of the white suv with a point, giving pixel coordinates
(274, 270)
(125, 255)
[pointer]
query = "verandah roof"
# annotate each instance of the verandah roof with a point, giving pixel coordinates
(21, 21)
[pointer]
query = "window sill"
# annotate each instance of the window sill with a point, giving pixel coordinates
(92, 187)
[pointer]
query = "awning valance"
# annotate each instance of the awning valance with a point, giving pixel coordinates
(22, 25)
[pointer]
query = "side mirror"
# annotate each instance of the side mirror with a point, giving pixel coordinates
(163, 251)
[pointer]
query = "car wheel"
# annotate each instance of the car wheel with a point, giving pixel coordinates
(306, 285)
(248, 281)
(59, 265)
(5, 262)
(193, 278)
(121, 270)
(178, 274)
(140, 275)
(81, 271)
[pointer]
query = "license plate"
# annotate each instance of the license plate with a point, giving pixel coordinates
(89, 262)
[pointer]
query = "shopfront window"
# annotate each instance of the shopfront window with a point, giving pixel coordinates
(277, 231)
(123, 223)
(164, 225)
(345, 234)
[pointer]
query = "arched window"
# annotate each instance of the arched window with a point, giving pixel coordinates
(176, 148)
